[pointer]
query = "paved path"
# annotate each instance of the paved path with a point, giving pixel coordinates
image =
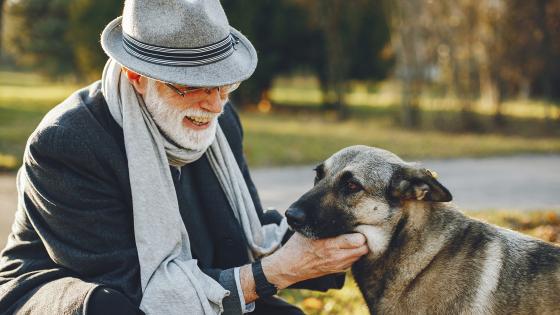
(521, 182)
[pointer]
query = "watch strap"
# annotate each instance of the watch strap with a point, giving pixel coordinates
(262, 286)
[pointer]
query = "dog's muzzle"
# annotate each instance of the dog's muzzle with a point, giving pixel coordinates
(296, 217)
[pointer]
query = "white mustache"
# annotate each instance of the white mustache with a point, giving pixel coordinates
(200, 113)
(169, 119)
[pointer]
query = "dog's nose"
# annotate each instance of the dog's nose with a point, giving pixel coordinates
(296, 217)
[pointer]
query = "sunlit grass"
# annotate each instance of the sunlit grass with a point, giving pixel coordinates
(44, 94)
(14, 78)
(306, 91)
(513, 108)
(543, 224)
(279, 139)
(24, 100)
(346, 301)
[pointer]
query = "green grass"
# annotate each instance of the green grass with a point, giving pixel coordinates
(305, 91)
(24, 100)
(543, 224)
(280, 139)
(298, 137)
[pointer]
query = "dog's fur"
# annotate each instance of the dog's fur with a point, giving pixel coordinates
(425, 256)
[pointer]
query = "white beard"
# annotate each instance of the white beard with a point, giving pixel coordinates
(169, 119)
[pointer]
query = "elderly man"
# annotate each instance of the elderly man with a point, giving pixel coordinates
(134, 196)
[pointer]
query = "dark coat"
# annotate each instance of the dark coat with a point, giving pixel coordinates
(73, 228)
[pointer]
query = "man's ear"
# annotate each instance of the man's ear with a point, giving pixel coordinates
(138, 81)
(409, 183)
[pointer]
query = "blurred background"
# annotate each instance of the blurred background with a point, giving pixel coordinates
(469, 87)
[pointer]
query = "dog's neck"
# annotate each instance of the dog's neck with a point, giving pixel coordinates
(400, 254)
(412, 216)
(378, 238)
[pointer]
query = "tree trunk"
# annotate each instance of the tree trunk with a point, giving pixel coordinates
(336, 70)
(1, 26)
(545, 49)
(409, 61)
(489, 91)
(410, 109)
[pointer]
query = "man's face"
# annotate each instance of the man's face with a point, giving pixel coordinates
(189, 121)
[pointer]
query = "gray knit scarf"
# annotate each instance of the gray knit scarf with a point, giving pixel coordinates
(171, 280)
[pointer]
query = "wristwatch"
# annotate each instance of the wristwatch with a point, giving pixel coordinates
(262, 286)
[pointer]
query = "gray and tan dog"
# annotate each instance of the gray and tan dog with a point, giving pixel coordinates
(425, 256)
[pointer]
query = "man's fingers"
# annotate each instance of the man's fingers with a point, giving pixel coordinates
(356, 252)
(347, 265)
(351, 256)
(352, 240)
(362, 250)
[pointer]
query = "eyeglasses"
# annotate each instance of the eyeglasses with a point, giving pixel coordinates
(193, 90)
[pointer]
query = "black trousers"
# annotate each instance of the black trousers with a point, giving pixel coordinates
(275, 306)
(106, 301)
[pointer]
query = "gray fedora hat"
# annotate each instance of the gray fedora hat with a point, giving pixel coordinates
(186, 42)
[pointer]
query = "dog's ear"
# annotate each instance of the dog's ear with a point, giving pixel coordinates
(409, 183)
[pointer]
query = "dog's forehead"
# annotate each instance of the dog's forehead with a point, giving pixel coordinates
(364, 160)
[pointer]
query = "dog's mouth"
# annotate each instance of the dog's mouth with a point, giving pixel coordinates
(316, 230)
(307, 232)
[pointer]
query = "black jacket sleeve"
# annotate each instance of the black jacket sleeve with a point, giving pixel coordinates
(79, 211)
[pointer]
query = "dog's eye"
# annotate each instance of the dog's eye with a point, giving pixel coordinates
(349, 184)
(353, 186)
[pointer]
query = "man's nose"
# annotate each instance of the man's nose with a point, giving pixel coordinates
(213, 102)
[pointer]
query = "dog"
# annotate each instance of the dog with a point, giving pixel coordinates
(425, 257)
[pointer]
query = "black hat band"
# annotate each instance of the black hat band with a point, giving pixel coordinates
(183, 57)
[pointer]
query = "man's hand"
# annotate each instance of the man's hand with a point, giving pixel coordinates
(302, 258)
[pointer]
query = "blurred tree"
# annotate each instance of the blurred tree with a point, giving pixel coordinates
(333, 67)
(452, 44)
(349, 42)
(314, 35)
(489, 29)
(408, 21)
(84, 31)
(533, 52)
(60, 37)
(36, 37)
(279, 32)
(1, 24)
(485, 50)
